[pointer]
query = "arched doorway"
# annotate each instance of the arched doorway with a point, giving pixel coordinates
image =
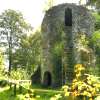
(47, 79)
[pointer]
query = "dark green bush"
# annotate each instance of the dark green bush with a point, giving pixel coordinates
(3, 83)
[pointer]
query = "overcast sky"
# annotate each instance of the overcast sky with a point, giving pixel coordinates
(31, 9)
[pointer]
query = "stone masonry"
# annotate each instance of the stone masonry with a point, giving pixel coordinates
(60, 27)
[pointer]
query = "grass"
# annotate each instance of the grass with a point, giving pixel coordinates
(39, 93)
(6, 94)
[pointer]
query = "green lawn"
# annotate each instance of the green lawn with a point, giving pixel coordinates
(37, 93)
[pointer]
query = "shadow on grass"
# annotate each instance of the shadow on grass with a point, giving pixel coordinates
(8, 94)
(39, 86)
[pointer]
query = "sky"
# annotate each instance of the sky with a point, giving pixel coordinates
(32, 10)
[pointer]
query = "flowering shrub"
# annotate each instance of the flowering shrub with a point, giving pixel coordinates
(83, 85)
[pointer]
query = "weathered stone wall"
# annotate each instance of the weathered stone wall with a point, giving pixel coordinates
(54, 32)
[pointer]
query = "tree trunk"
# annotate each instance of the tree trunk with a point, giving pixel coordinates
(10, 53)
(9, 61)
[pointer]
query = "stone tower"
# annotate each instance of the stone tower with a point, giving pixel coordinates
(61, 26)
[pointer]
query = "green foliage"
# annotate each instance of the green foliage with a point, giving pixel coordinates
(3, 83)
(82, 42)
(12, 27)
(83, 85)
(56, 97)
(19, 74)
(1, 62)
(96, 38)
(57, 59)
(1, 66)
(96, 42)
(97, 21)
(48, 4)
(94, 3)
(88, 85)
(29, 53)
(84, 51)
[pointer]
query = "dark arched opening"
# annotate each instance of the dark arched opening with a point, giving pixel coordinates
(47, 79)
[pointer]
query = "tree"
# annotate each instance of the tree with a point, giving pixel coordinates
(12, 27)
(97, 21)
(96, 41)
(94, 3)
(28, 55)
(1, 61)
(20, 56)
(35, 49)
(48, 4)
(2, 67)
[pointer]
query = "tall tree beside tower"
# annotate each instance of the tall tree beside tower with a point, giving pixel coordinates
(12, 27)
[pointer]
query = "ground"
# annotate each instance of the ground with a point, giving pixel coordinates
(38, 93)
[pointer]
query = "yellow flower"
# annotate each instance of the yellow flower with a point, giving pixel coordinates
(58, 96)
(78, 65)
(65, 87)
(53, 98)
(67, 93)
(75, 93)
(89, 95)
(75, 80)
(85, 93)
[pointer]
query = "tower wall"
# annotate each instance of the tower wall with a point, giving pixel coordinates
(60, 27)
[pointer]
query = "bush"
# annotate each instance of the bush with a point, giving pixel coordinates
(83, 86)
(3, 83)
(19, 74)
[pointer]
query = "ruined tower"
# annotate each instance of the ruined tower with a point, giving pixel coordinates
(60, 27)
